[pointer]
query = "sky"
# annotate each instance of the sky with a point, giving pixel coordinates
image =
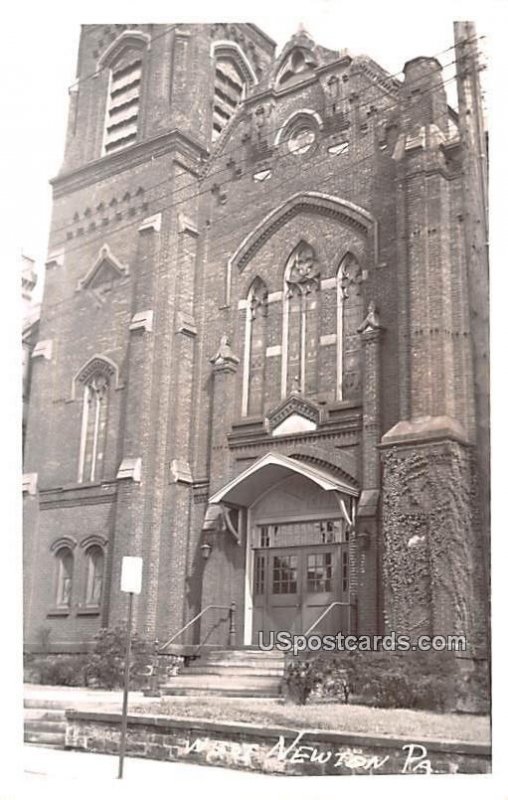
(390, 33)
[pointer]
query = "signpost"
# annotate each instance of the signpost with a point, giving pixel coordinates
(132, 568)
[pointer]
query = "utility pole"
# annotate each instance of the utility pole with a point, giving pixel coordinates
(475, 204)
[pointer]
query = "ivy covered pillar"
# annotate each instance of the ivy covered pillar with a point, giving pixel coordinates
(432, 554)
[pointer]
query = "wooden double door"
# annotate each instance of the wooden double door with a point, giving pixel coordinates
(292, 586)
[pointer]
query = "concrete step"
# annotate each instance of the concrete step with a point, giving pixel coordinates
(43, 726)
(232, 670)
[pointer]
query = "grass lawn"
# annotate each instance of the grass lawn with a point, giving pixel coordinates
(397, 722)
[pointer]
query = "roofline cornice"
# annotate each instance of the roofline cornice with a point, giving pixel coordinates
(109, 165)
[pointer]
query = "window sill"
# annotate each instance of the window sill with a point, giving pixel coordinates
(58, 612)
(88, 611)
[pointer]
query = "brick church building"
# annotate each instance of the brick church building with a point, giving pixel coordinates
(254, 366)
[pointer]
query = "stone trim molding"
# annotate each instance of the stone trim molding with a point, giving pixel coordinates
(180, 471)
(143, 320)
(93, 539)
(186, 324)
(43, 349)
(327, 339)
(324, 204)
(63, 541)
(138, 39)
(130, 469)
(152, 223)
(307, 113)
(105, 255)
(55, 259)
(187, 225)
(29, 483)
(96, 362)
(225, 47)
(113, 163)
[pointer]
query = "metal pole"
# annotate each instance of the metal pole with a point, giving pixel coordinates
(232, 628)
(126, 688)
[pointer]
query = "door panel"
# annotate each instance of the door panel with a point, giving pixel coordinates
(292, 586)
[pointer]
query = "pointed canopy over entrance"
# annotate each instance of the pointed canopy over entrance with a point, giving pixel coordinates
(270, 470)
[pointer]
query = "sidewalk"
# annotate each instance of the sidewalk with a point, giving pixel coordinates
(44, 762)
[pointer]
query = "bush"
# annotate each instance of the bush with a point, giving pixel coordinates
(425, 681)
(104, 666)
(55, 670)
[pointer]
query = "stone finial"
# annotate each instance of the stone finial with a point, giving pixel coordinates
(224, 357)
(295, 385)
(371, 321)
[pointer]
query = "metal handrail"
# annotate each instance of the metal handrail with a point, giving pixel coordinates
(325, 612)
(229, 608)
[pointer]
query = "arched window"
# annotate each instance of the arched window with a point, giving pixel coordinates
(94, 575)
(300, 321)
(95, 377)
(254, 361)
(65, 569)
(228, 92)
(122, 114)
(349, 318)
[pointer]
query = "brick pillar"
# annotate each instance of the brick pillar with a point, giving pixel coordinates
(224, 570)
(133, 487)
(225, 364)
(367, 545)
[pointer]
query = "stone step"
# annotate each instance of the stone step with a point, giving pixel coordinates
(220, 680)
(224, 691)
(44, 726)
(55, 714)
(39, 737)
(247, 654)
(36, 702)
(233, 669)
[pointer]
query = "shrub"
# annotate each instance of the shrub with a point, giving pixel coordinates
(56, 670)
(104, 666)
(424, 681)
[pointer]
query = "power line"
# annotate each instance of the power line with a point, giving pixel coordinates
(270, 129)
(299, 169)
(94, 74)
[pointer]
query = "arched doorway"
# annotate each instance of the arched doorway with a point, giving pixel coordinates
(298, 555)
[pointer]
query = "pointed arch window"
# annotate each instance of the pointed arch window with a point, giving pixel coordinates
(254, 360)
(122, 114)
(94, 575)
(349, 318)
(64, 576)
(96, 381)
(228, 91)
(300, 321)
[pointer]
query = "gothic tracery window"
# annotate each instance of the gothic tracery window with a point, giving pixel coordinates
(96, 387)
(300, 327)
(349, 318)
(255, 348)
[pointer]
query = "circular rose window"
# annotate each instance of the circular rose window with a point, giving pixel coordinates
(301, 140)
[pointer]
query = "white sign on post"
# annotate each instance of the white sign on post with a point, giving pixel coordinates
(132, 569)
